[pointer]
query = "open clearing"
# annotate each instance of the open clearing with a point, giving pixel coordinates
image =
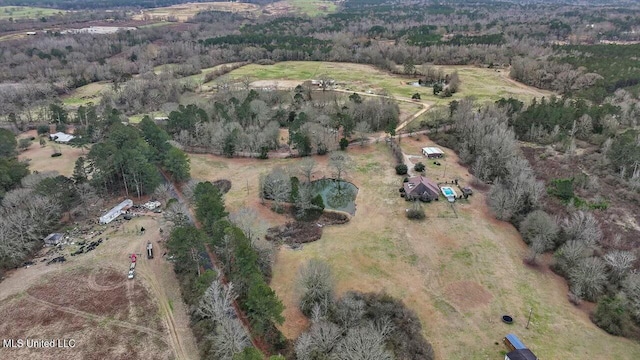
(40, 157)
(459, 274)
(26, 12)
(479, 83)
(90, 300)
(183, 12)
(313, 7)
(85, 94)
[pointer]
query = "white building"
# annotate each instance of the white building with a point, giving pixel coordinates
(116, 211)
(432, 152)
(61, 137)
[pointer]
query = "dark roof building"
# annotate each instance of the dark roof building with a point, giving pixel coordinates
(419, 187)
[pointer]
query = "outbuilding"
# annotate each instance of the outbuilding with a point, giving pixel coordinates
(517, 349)
(53, 239)
(61, 137)
(521, 354)
(432, 152)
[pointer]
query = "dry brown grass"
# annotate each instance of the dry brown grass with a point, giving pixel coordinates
(40, 157)
(459, 274)
(89, 299)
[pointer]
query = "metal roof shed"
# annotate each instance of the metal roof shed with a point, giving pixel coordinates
(432, 152)
(513, 342)
(521, 354)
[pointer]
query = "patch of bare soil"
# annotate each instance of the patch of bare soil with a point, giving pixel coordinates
(467, 294)
(296, 232)
(275, 84)
(25, 317)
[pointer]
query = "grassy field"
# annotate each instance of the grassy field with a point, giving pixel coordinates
(26, 12)
(479, 83)
(459, 271)
(183, 12)
(313, 7)
(40, 157)
(85, 94)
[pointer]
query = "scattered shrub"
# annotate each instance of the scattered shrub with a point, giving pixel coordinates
(401, 169)
(43, 129)
(344, 143)
(223, 185)
(612, 316)
(416, 214)
(419, 167)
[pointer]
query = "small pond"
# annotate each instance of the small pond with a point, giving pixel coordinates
(336, 194)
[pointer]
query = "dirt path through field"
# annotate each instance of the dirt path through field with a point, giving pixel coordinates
(96, 318)
(172, 309)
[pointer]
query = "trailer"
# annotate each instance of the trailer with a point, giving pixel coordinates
(149, 250)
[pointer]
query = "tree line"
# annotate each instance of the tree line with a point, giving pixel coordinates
(486, 142)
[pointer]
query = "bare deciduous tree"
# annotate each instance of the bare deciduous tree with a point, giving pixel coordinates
(588, 278)
(321, 340)
(276, 186)
(316, 287)
(540, 231)
(363, 343)
(620, 264)
(340, 162)
(582, 226)
(230, 338)
(307, 167)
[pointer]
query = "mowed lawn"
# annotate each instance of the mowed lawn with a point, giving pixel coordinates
(26, 12)
(459, 274)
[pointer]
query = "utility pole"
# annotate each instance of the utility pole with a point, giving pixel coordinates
(528, 321)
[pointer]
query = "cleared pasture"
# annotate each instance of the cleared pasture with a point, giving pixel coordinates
(183, 12)
(26, 12)
(460, 270)
(479, 83)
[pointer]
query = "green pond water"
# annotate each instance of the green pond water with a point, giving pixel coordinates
(336, 194)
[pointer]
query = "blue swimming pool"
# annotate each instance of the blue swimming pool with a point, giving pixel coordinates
(448, 192)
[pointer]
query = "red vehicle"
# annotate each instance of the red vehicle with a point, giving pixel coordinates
(133, 258)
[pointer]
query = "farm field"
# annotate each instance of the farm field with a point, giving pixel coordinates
(459, 273)
(89, 299)
(183, 12)
(26, 12)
